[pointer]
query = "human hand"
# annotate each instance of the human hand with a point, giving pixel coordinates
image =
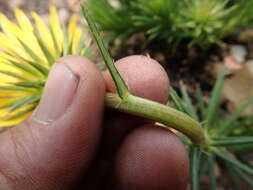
(66, 143)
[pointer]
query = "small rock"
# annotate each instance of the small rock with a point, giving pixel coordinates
(114, 3)
(239, 53)
(239, 87)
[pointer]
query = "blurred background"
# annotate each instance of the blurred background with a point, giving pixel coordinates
(194, 41)
(65, 7)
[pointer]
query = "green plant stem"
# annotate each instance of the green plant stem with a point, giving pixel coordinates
(160, 113)
(121, 86)
(126, 102)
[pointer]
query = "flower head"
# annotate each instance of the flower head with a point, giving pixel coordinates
(27, 53)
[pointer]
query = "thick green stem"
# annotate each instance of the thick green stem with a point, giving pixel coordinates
(160, 113)
(126, 102)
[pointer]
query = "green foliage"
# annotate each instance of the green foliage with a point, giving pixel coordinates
(113, 19)
(121, 86)
(226, 135)
(220, 133)
(196, 22)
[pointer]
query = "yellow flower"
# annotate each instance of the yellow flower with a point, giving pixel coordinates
(27, 52)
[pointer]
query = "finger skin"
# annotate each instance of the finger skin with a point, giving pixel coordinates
(152, 158)
(146, 78)
(38, 157)
(118, 125)
(34, 156)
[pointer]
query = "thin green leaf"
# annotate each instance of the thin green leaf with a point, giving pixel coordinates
(188, 103)
(215, 99)
(122, 88)
(67, 46)
(243, 175)
(46, 52)
(213, 179)
(241, 148)
(22, 113)
(12, 74)
(226, 127)
(30, 84)
(235, 180)
(13, 88)
(232, 141)
(57, 48)
(225, 156)
(203, 170)
(7, 105)
(195, 155)
(31, 53)
(37, 65)
(25, 68)
(81, 45)
(44, 70)
(202, 108)
(176, 100)
(25, 101)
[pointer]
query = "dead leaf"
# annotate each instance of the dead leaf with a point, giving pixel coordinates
(239, 87)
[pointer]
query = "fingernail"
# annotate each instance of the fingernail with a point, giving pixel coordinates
(58, 94)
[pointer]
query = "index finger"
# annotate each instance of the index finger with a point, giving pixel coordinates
(145, 78)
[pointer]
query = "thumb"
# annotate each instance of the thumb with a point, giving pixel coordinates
(54, 146)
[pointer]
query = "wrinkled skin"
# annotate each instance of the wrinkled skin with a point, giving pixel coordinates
(87, 147)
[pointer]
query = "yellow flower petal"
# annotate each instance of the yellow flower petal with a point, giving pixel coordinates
(13, 48)
(12, 123)
(10, 41)
(44, 33)
(76, 39)
(28, 36)
(56, 28)
(5, 93)
(6, 67)
(9, 28)
(8, 123)
(23, 21)
(4, 102)
(72, 27)
(25, 54)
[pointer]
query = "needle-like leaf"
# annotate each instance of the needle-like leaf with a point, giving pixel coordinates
(211, 164)
(30, 84)
(225, 156)
(226, 128)
(243, 175)
(23, 112)
(188, 103)
(195, 155)
(232, 141)
(215, 100)
(26, 68)
(33, 55)
(202, 107)
(119, 82)
(176, 100)
(12, 74)
(25, 101)
(46, 52)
